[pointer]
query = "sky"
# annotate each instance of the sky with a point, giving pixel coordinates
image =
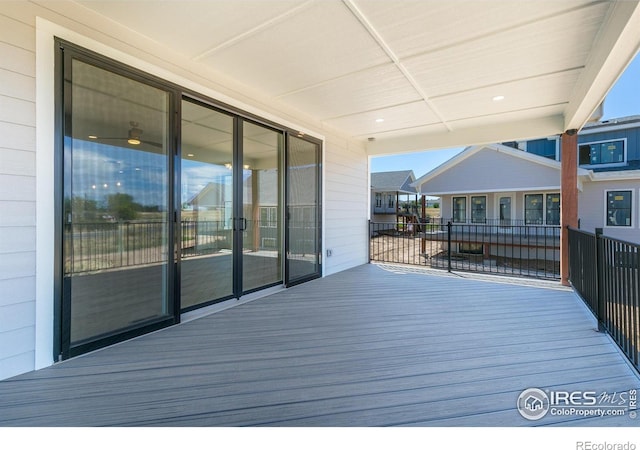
(623, 100)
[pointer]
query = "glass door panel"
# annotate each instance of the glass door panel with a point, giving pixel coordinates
(505, 211)
(206, 225)
(303, 210)
(116, 203)
(260, 220)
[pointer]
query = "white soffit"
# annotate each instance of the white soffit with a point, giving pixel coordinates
(429, 68)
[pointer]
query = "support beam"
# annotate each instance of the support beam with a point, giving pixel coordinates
(568, 197)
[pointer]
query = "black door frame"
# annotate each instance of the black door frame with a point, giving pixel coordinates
(66, 51)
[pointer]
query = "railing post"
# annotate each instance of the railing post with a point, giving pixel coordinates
(370, 240)
(449, 246)
(600, 280)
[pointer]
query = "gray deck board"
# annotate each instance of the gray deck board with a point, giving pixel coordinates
(365, 347)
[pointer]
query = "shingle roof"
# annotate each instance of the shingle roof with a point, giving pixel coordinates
(399, 180)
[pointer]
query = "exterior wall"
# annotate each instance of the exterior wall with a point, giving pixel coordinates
(632, 135)
(493, 211)
(592, 209)
(26, 174)
(478, 173)
(543, 147)
(17, 196)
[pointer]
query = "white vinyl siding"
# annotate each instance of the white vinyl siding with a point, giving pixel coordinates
(17, 196)
(26, 343)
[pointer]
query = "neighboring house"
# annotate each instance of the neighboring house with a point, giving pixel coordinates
(519, 182)
(390, 193)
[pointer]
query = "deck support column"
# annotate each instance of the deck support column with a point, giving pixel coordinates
(568, 197)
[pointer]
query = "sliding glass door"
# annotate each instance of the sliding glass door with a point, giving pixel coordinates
(168, 203)
(261, 206)
(116, 232)
(206, 189)
(303, 204)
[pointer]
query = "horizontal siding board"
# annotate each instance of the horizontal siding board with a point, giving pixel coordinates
(17, 265)
(17, 33)
(16, 85)
(17, 239)
(17, 188)
(14, 110)
(17, 137)
(16, 342)
(17, 290)
(344, 350)
(17, 59)
(17, 162)
(17, 214)
(16, 316)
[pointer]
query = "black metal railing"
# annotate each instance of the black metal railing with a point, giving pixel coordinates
(605, 273)
(113, 245)
(499, 247)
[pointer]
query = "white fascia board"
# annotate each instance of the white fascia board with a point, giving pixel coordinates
(501, 190)
(615, 175)
(470, 136)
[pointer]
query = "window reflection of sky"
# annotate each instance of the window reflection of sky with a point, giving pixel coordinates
(100, 170)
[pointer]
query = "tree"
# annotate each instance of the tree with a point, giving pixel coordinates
(122, 206)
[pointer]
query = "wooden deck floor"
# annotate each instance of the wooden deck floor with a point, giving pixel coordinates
(366, 347)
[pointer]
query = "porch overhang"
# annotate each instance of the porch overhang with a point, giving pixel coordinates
(401, 76)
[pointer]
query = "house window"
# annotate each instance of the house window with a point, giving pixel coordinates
(471, 248)
(619, 208)
(390, 202)
(553, 209)
(269, 216)
(533, 204)
(606, 152)
(459, 209)
(378, 200)
(479, 209)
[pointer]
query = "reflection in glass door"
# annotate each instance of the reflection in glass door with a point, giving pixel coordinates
(116, 201)
(206, 225)
(303, 210)
(260, 220)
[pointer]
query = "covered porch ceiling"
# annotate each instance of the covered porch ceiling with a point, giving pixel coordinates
(404, 75)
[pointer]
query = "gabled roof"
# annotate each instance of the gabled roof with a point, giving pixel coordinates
(533, 159)
(396, 181)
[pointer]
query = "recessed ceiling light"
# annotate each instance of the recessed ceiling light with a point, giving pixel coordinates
(379, 120)
(190, 155)
(93, 136)
(498, 98)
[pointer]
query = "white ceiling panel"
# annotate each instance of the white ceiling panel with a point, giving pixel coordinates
(359, 92)
(430, 66)
(401, 117)
(413, 27)
(192, 27)
(322, 42)
(491, 62)
(520, 95)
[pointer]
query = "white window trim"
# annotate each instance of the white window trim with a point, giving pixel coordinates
(606, 209)
(466, 208)
(596, 166)
(496, 204)
(486, 217)
(544, 205)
